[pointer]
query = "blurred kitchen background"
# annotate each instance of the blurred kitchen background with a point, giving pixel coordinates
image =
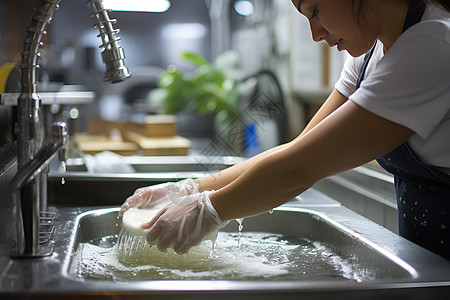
(209, 77)
(273, 76)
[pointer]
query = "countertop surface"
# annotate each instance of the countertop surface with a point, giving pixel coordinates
(47, 277)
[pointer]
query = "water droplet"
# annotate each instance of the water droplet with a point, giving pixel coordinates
(415, 203)
(424, 223)
(404, 215)
(64, 169)
(443, 226)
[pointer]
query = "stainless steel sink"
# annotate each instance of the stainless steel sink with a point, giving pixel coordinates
(400, 269)
(292, 224)
(159, 164)
(84, 188)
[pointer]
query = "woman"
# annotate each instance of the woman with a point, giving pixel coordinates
(391, 104)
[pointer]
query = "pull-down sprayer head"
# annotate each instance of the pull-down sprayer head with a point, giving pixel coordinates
(112, 55)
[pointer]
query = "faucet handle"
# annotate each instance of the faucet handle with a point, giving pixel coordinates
(61, 133)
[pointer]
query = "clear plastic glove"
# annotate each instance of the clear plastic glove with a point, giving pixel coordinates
(151, 196)
(184, 223)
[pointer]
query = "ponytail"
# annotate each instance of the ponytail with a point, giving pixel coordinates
(444, 3)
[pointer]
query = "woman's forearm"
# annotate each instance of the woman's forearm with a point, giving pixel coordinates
(349, 137)
(223, 178)
(333, 102)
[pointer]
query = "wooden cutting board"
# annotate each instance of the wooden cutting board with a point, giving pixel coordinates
(93, 144)
(154, 126)
(174, 145)
(156, 136)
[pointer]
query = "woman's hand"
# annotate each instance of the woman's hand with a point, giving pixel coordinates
(148, 197)
(183, 223)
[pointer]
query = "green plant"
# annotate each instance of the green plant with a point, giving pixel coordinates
(208, 90)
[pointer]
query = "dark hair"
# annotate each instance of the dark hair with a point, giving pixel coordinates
(444, 3)
(360, 5)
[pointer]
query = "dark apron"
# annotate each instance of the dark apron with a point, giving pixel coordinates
(422, 192)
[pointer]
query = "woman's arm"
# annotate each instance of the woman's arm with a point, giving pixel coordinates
(333, 102)
(348, 137)
(225, 177)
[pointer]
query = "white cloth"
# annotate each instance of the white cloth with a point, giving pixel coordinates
(107, 162)
(410, 85)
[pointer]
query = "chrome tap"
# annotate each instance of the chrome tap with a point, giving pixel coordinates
(32, 157)
(28, 208)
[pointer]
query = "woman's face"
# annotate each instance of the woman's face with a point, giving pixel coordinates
(335, 22)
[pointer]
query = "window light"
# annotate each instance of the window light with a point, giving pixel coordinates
(244, 7)
(158, 6)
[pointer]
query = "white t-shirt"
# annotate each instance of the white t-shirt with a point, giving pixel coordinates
(410, 85)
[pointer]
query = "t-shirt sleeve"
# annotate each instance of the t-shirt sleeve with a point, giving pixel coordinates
(346, 84)
(411, 84)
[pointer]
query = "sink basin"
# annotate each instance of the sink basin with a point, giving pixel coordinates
(79, 187)
(347, 257)
(158, 164)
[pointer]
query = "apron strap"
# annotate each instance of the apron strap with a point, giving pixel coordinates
(362, 72)
(415, 14)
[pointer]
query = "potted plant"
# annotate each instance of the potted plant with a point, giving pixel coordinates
(209, 93)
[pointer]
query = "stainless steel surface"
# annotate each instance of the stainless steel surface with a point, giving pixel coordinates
(86, 188)
(112, 55)
(404, 269)
(57, 145)
(292, 223)
(163, 164)
(28, 208)
(367, 190)
(49, 98)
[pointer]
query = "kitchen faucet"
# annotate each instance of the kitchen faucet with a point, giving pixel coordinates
(32, 157)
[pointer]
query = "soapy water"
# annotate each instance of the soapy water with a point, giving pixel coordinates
(234, 256)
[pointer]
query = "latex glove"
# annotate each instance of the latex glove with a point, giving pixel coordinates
(151, 196)
(184, 223)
